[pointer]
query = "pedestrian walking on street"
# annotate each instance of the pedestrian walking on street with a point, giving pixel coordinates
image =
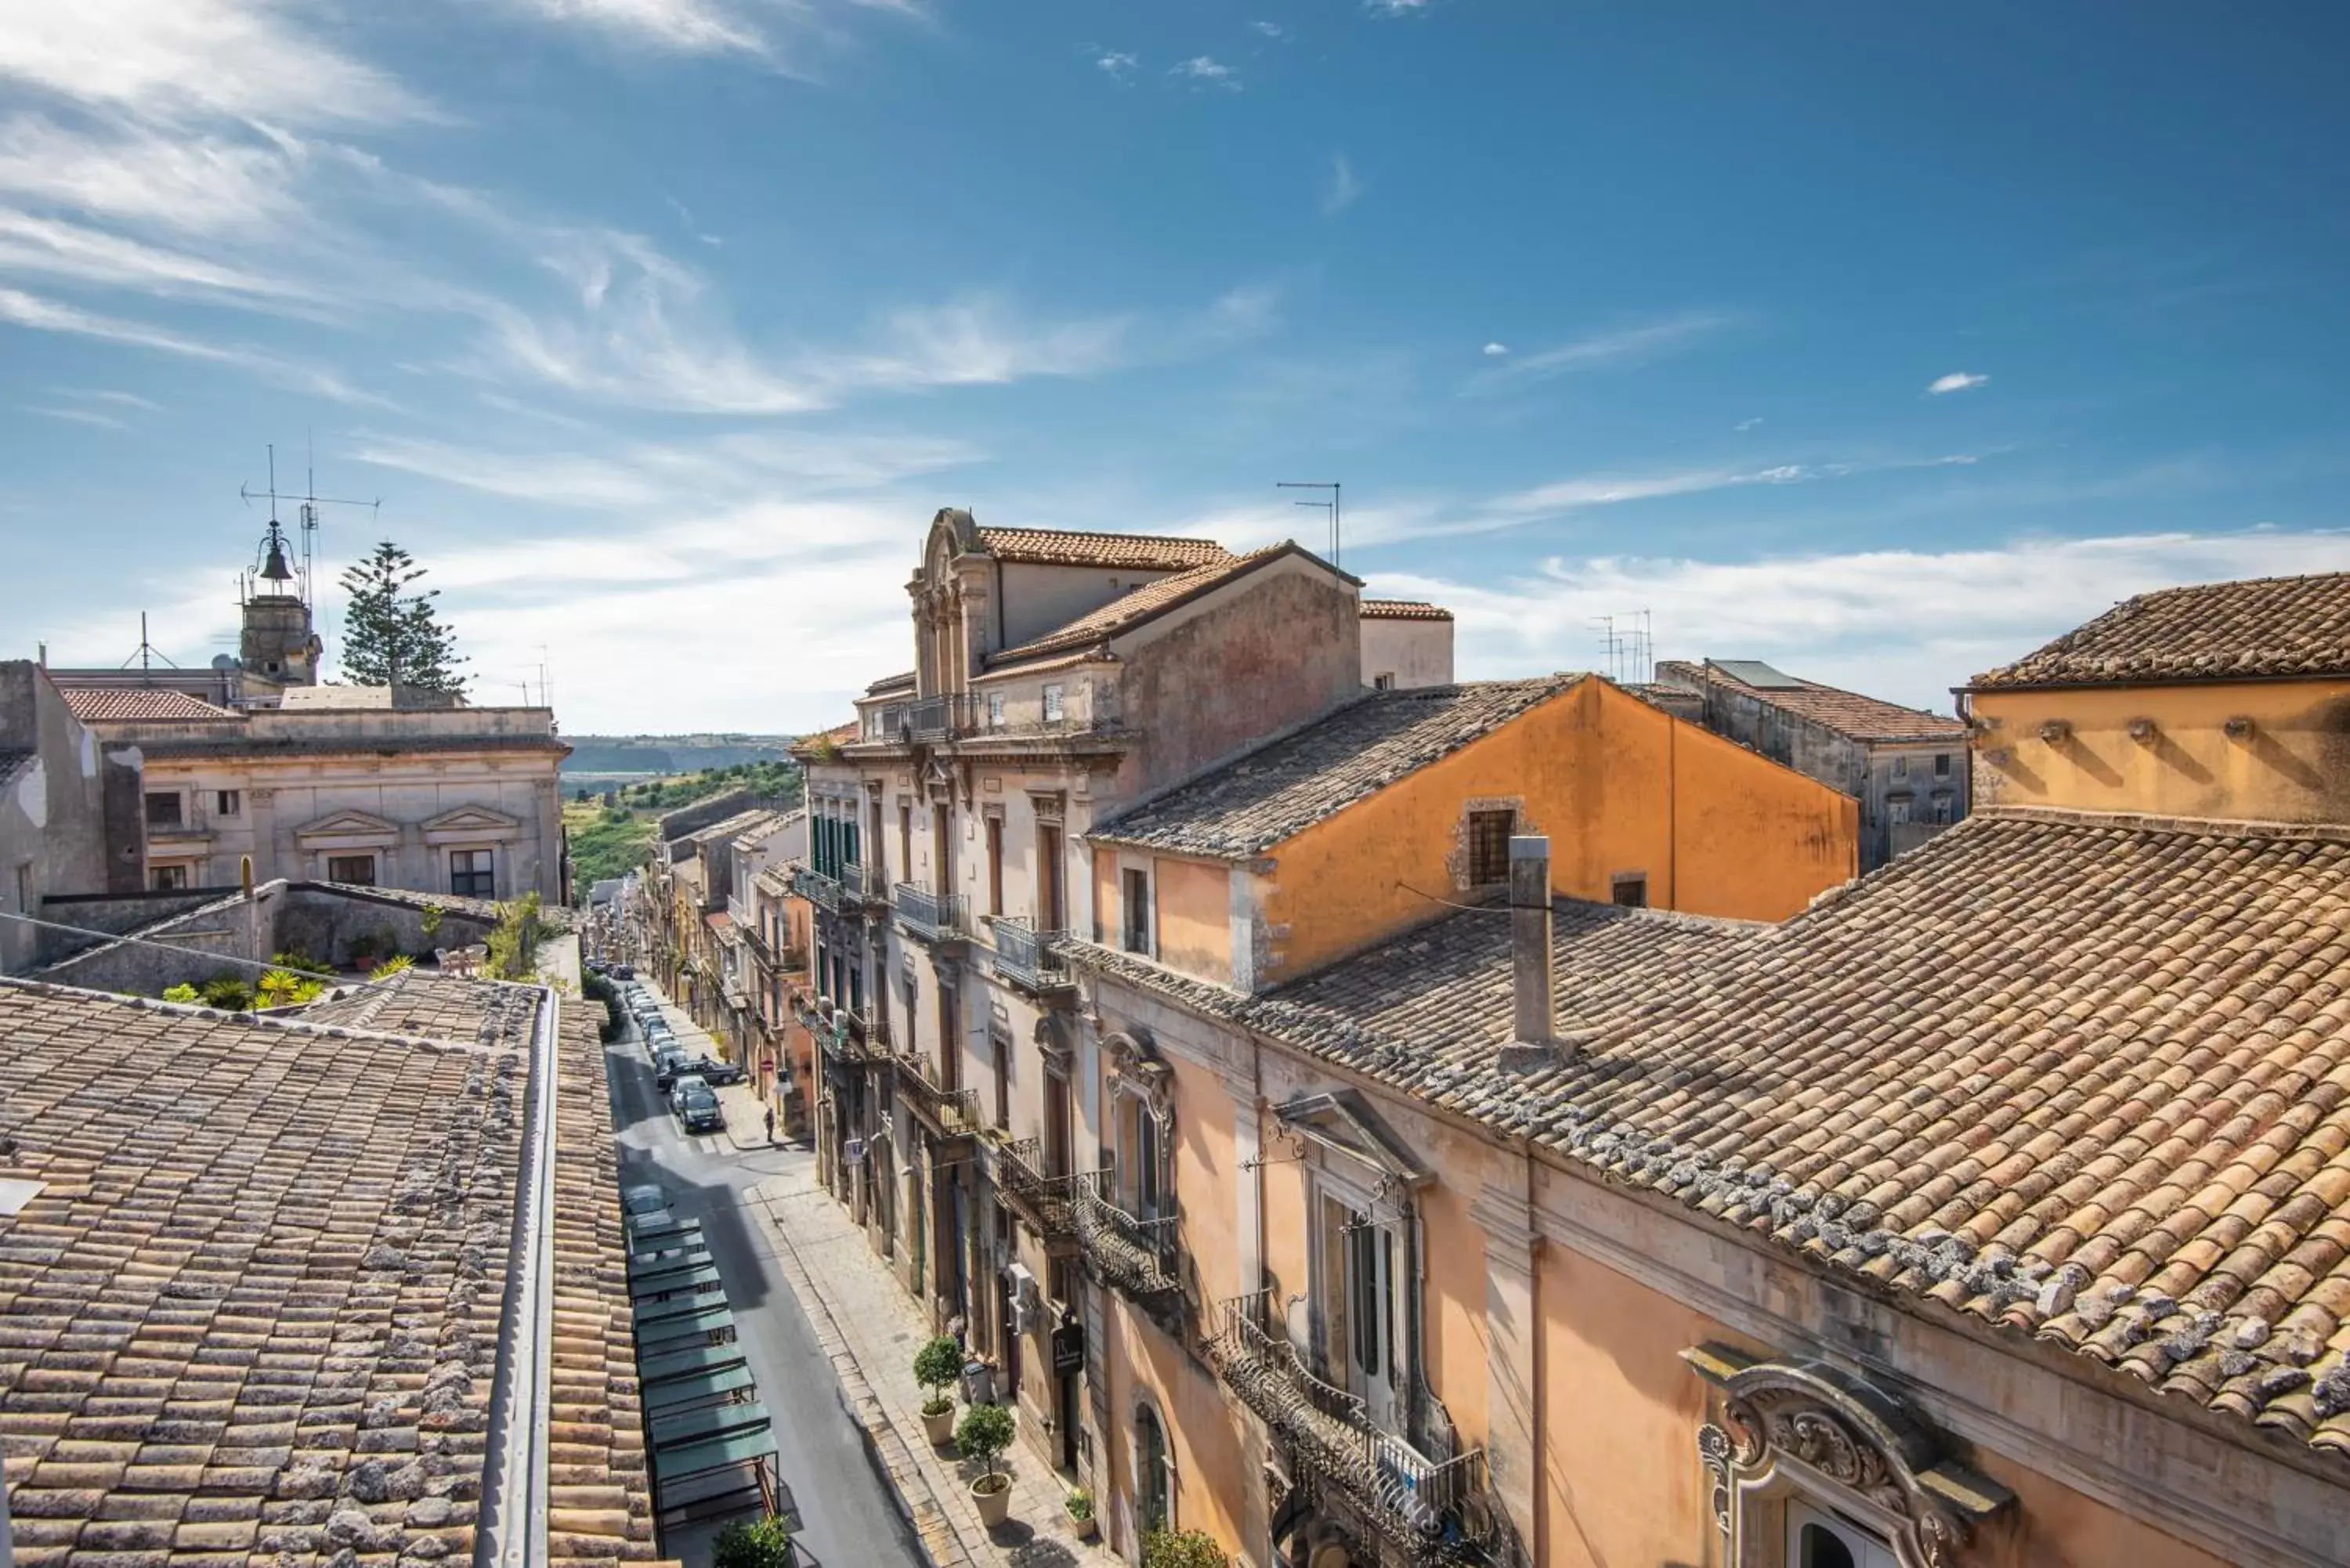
(771, 1124)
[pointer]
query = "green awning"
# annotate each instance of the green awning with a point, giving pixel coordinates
(671, 1282)
(690, 1361)
(720, 1386)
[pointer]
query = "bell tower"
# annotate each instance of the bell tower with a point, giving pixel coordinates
(278, 646)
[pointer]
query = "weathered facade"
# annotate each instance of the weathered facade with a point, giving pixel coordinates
(1906, 768)
(70, 820)
(377, 790)
(1406, 643)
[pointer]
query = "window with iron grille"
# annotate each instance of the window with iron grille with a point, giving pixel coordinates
(1488, 845)
(1631, 890)
(1941, 765)
(164, 808)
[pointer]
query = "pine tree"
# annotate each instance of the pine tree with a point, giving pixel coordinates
(391, 635)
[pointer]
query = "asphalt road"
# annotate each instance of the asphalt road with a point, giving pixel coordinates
(847, 1518)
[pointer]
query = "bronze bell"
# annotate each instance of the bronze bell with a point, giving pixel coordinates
(274, 569)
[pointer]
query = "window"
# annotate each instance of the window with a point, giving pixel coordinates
(1138, 913)
(24, 888)
(1053, 704)
(1897, 811)
(1941, 765)
(1942, 805)
(471, 874)
(1488, 847)
(1153, 1506)
(999, 1042)
(164, 808)
(1630, 890)
(1901, 767)
(357, 870)
(1048, 876)
(169, 879)
(1817, 1538)
(995, 865)
(995, 710)
(1383, 681)
(228, 802)
(905, 841)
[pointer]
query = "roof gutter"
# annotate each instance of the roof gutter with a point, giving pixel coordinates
(512, 1532)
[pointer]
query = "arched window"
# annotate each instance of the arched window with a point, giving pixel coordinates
(1154, 1499)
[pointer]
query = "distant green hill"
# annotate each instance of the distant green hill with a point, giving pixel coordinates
(669, 755)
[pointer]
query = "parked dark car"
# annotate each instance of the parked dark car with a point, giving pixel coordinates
(696, 1105)
(667, 1068)
(711, 1070)
(623, 971)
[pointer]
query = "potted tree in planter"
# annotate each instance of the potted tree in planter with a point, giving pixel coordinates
(754, 1543)
(936, 1366)
(1080, 1504)
(1182, 1549)
(985, 1433)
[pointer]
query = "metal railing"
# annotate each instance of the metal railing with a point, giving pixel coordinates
(951, 1113)
(933, 917)
(1130, 1253)
(1025, 955)
(818, 889)
(966, 713)
(858, 882)
(1408, 1497)
(1045, 1202)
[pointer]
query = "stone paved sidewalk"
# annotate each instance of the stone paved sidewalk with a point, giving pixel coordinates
(870, 1330)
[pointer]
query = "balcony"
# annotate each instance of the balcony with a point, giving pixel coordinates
(851, 1039)
(948, 1113)
(823, 891)
(929, 917)
(1046, 1202)
(965, 716)
(862, 884)
(1134, 1257)
(1427, 1508)
(1025, 956)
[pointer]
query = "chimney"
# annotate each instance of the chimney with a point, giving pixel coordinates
(1532, 992)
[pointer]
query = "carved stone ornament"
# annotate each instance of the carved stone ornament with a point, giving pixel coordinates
(1134, 1069)
(1803, 1429)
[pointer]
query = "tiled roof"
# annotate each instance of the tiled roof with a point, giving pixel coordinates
(2087, 1078)
(730, 827)
(1140, 552)
(1130, 610)
(1847, 713)
(143, 703)
(1249, 803)
(2212, 631)
(1403, 610)
(256, 1311)
(889, 683)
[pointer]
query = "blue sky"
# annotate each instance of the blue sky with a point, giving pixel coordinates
(1882, 342)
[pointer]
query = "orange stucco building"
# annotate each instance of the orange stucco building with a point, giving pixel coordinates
(1989, 1210)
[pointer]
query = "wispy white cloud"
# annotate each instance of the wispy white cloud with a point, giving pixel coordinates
(197, 182)
(42, 314)
(1902, 624)
(1744, 425)
(73, 416)
(1956, 381)
(87, 256)
(1495, 350)
(1207, 74)
(1118, 65)
(1269, 29)
(780, 36)
(1343, 189)
(1617, 345)
(163, 61)
(1395, 7)
(108, 395)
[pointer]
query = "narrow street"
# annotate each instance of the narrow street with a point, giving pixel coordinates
(848, 1518)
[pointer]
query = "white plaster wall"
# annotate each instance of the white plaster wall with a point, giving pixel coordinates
(1417, 652)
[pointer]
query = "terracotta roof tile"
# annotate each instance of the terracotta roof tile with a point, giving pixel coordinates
(2211, 631)
(144, 704)
(1403, 610)
(2088, 1079)
(1140, 552)
(1250, 802)
(1851, 714)
(256, 1307)
(1130, 610)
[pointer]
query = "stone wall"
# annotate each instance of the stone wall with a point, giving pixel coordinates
(113, 915)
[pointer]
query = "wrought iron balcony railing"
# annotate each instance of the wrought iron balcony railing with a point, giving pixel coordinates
(932, 917)
(950, 1112)
(930, 720)
(823, 891)
(850, 1037)
(1046, 1202)
(1025, 956)
(1133, 1255)
(861, 883)
(1424, 1506)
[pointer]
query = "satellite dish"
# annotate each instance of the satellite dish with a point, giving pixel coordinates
(223, 661)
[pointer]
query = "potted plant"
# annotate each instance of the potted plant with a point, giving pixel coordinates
(1182, 1549)
(1080, 1504)
(753, 1543)
(985, 1433)
(936, 1366)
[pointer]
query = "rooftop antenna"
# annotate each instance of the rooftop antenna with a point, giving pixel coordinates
(148, 652)
(308, 515)
(1330, 507)
(1610, 645)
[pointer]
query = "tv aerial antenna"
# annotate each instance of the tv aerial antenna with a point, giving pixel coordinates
(147, 652)
(1329, 506)
(310, 501)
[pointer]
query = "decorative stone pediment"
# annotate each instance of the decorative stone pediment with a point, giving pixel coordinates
(349, 829)
(1135, 1068)
(1807, 1430)
(470, 823)
(1343, 1123)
